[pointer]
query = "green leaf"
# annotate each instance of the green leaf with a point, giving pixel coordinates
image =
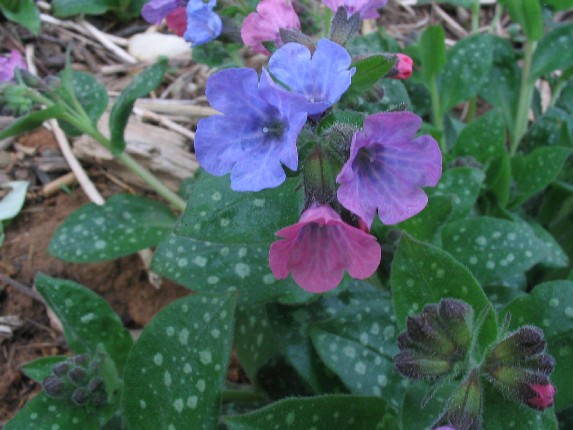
(341, 117)
(43, 412)
(218, 214)
(92, 97)
(218, 54)
(500, 414)
(483, 139)
(316, 413)
(528, 15)
(422, 274)
(358, 344)
(551, 252)
(464, 185)
(253, 339)
(467, 69)
(493, 249)
(433, 51)
(11, 203)
(26, 14)
(534, 172)
(427, 224)
(291, 326)
(31, 121)
(88, 320)
(368, 71)
(550, 307)
(553, 52)
(41, 368)
(123, 225)
(65, 8)
(503, 82)
(558, 4)
(177, 368)
(209, 267)
(417, 411)
(140, 86)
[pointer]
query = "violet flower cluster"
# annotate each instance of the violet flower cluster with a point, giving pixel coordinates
(195, 20)
(255, 137)
(9, 63)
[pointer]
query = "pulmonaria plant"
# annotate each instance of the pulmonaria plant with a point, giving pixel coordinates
(320, 247)
(265, 24)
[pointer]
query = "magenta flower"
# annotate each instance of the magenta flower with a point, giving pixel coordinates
(155, 10)
(367, 9)
(264, 25)
(543, 396)
(318, 249)
(387, 168)
(10, 62)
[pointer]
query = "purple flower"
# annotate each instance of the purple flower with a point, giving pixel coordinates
(387, 168)
(367, 9)
(203, 25)
(320, 247)
(445, 428)
(10, 62)
(155, 10)
(321, 77)
(265, 24)
(256, 133)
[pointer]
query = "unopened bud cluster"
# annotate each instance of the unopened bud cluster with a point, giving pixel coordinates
(520, 367)
(77, 379)
(436, 340)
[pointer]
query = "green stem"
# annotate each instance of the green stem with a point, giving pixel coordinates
(151, 180)
(437, 112)
(475, 16)
(525, 95)
(496, 18)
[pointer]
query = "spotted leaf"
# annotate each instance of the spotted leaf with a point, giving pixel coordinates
(176, 370)
(123, 225)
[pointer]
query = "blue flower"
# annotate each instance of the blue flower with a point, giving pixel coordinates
(155, 10)
(321, 77)
(203, 25)
(255, 135)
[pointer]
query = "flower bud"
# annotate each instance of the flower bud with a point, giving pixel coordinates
(531, 388)
(61, 369)
(80, 396)
(415, 366)
(458, 317)
(55, 387)
(543, 363)
(78, 376)
(427, 332)
(95, 384)
(518, 346)
(464, 408)
(403, 67)
(320, 173)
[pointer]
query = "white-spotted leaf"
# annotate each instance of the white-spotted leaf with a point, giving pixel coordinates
(123, 225)
(463, 184)
(316, 413)
(177, 368)
(11, 203)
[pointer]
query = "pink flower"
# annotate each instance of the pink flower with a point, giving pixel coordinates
(318, 249)
(543, 396)
(367, 9)
(264, 25)
(10, 62)
(177, 21)
(404, 66)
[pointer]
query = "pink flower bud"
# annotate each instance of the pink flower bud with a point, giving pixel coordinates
(404, 65)
(543, 398)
